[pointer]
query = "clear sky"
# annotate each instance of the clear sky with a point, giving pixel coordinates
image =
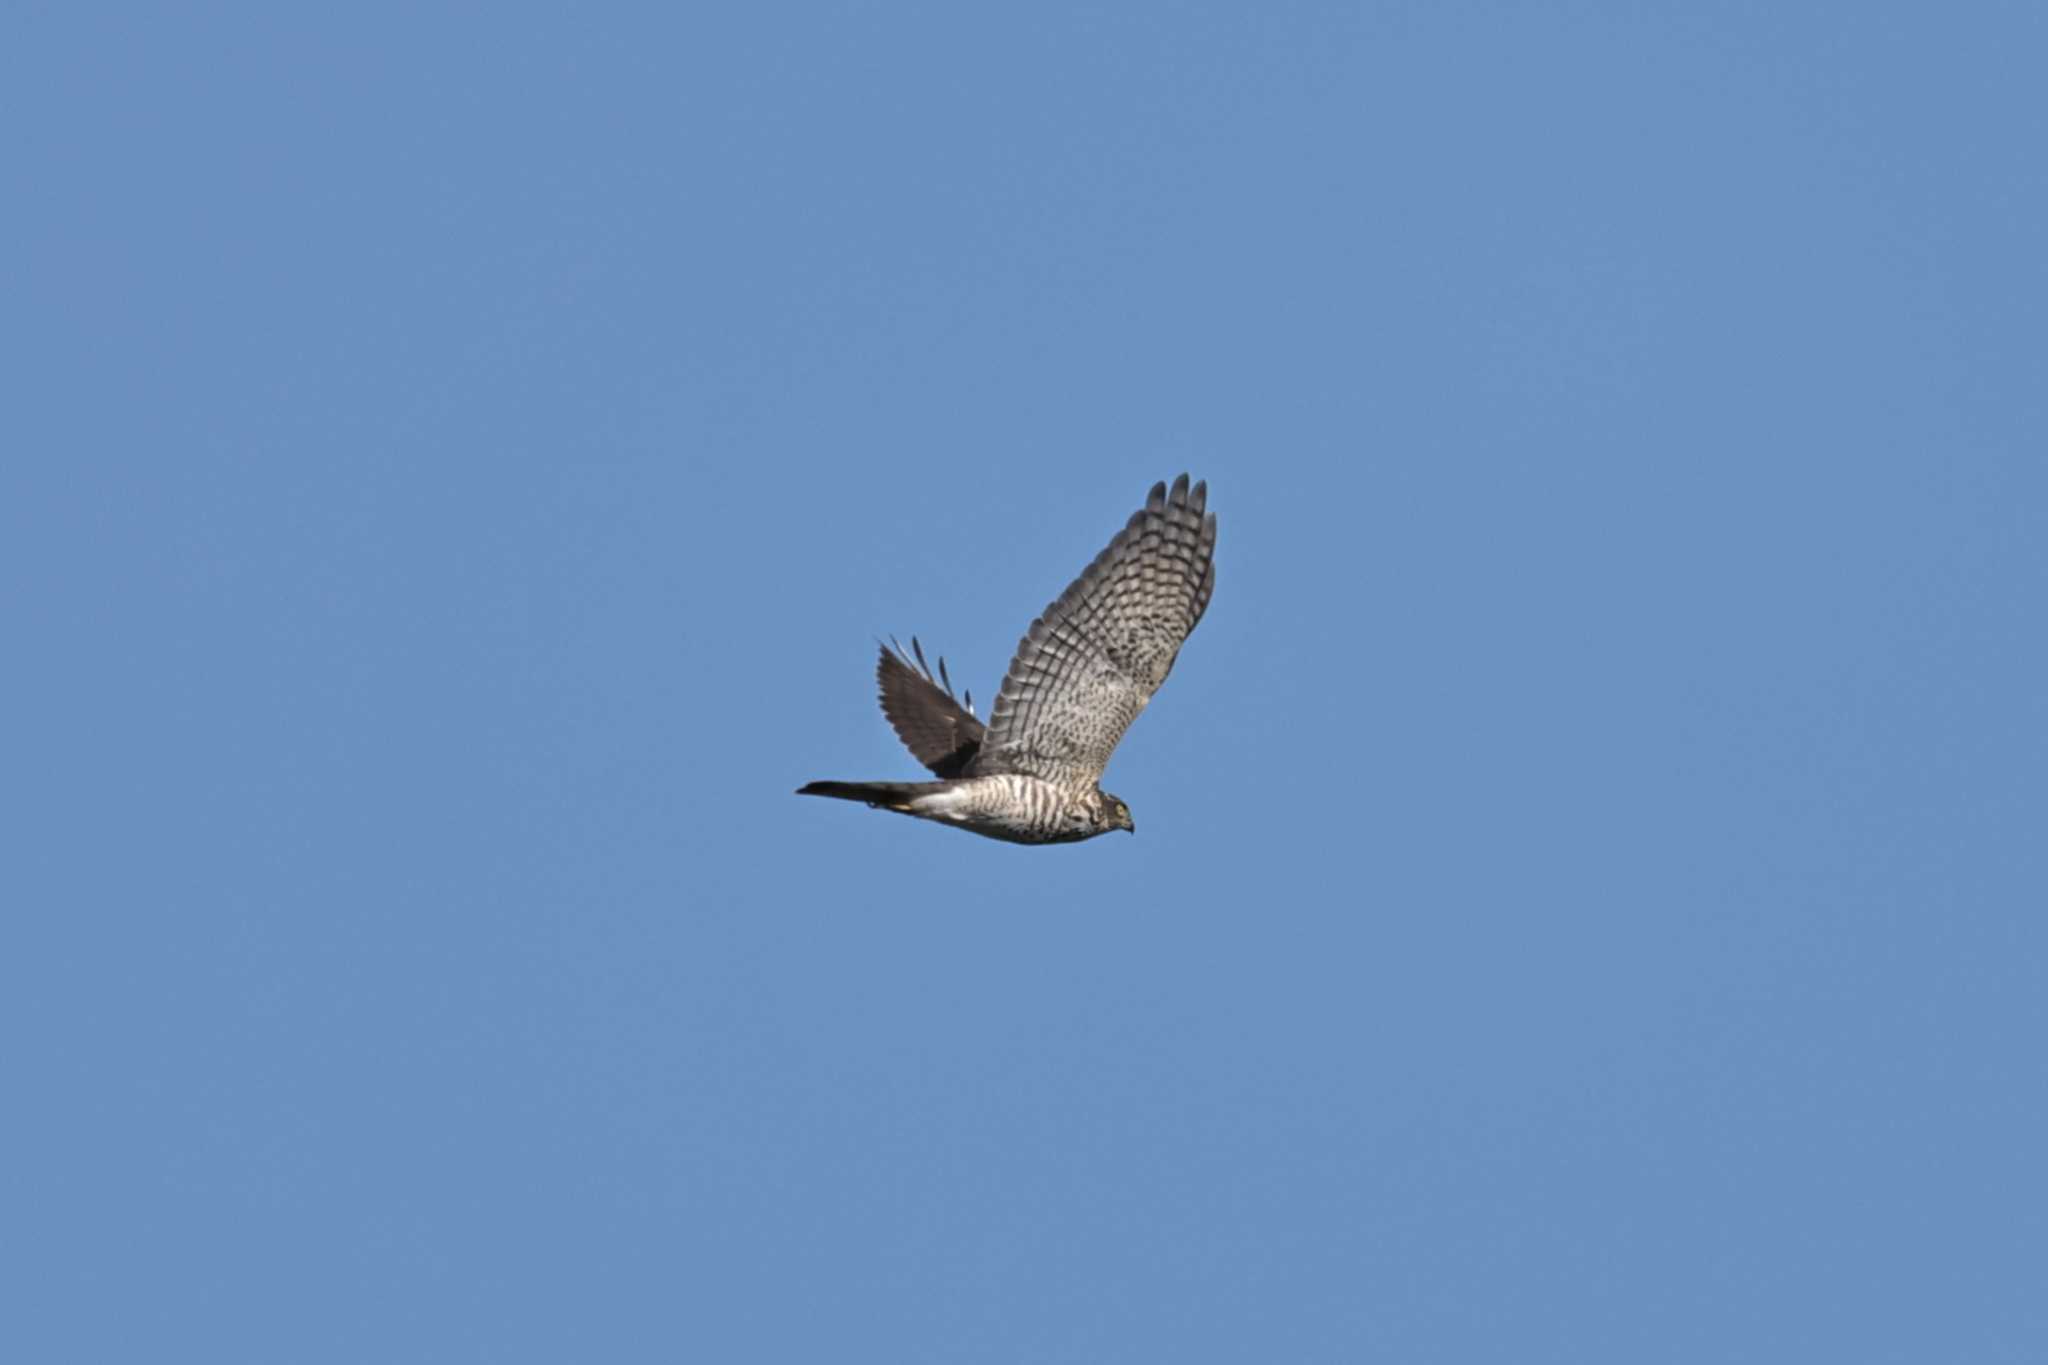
(1588, 897)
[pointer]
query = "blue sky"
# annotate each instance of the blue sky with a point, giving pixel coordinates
(1588, 902)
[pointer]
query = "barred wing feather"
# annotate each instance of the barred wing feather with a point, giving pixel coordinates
(1095, 656)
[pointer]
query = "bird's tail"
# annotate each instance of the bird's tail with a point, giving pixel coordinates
(887, 795)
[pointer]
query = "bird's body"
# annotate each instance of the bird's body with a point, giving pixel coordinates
(1081, 675)
(1008, 806)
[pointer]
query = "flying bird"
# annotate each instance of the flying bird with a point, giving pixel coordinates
(1081, 675)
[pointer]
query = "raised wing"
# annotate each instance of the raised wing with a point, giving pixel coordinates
(1094, 658)
(927, 717)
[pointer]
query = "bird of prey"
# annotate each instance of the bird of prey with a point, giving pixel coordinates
(1081, 674)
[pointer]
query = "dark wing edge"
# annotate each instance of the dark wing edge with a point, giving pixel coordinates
(1134, 606)
(930, 720)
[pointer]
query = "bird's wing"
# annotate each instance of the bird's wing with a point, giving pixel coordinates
(1094, 658)
(927, 717)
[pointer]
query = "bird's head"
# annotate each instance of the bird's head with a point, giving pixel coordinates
(1116, 815)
